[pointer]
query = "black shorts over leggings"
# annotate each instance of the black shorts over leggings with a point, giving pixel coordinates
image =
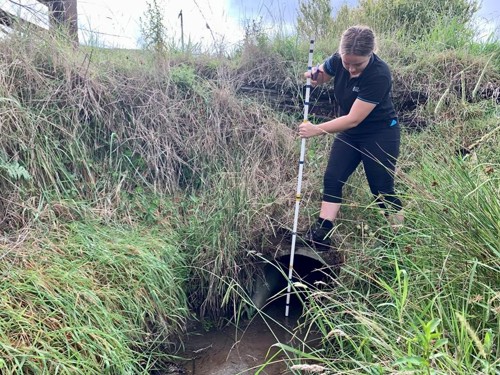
(378, 152)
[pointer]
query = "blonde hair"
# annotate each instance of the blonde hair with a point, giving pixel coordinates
(357, 40)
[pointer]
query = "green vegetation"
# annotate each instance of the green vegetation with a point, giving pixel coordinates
(136, 185)
(85, 297)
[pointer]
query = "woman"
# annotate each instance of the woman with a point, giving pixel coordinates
(367, 129)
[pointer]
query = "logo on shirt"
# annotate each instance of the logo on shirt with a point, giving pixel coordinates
(355, 89)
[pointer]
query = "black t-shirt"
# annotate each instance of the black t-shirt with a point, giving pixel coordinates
(373, 85)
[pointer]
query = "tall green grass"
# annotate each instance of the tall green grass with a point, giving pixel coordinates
(425, 300)
(85, 299)
(403, 321)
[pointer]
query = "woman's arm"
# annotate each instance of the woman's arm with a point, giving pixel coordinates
(359, 111)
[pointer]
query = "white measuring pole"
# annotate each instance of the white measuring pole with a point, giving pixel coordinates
(298, 196)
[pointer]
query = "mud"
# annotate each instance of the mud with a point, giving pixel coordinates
(249, 349)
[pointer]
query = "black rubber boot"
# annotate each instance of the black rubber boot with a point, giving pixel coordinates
(318, 237)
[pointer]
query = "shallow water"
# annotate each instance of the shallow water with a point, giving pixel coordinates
(244, 350)
(251, 348)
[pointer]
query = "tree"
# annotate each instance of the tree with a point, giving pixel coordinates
(315, 18)
(63, 14)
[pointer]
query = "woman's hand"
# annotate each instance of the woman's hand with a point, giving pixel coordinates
(317, 75)
(308, 130)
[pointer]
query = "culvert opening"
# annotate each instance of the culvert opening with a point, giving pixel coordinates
(242, 349)
(270, 288)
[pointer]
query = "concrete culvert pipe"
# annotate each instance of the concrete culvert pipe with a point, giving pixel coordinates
(309, 267)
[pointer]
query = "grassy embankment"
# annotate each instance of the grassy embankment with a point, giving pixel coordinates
(133, 186)
(117, 175)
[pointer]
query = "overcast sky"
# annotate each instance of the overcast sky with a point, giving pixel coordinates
(116, 23)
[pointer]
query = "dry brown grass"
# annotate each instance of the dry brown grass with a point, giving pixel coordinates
(98, 130)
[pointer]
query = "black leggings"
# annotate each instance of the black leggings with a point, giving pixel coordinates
(378, 152)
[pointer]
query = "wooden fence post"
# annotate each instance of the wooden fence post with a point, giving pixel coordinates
(64, 13)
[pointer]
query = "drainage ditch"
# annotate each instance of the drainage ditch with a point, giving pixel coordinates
(244, 350)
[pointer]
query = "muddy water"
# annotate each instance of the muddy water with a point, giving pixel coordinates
(250, 348)
(243, 350)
